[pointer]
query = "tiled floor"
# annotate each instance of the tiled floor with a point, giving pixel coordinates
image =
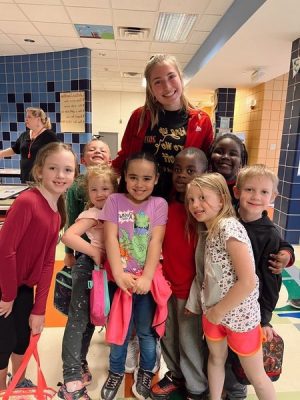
(286, 323)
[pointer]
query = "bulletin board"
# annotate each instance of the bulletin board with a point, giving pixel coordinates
(72, 111)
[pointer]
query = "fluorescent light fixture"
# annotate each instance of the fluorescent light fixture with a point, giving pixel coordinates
(174, 27)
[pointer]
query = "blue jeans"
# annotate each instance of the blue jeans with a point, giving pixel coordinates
(143, 309)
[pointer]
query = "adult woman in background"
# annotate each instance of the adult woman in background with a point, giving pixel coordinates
(166, 123)
(36, 136)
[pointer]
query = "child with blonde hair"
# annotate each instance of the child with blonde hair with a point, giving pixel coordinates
(27, 253)
(100, 181)
(256, 189)
(229, 295)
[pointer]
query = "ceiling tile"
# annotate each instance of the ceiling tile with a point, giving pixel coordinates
(20, 27)
(43, 2)
(141, 19)
(90, 16)
(4, 39)
(44, 13)
(144, 5)
(206, 22)
(137, 64)
(197, 37)
(11, 12)
(99, 44)
(138, 55)
(64, 42)
(54, 29)
(7, 49)
(132, 45)
(103, 61)
(90, 3)
(39, 40)
(38, 49)
(218, 7)
(186, 6)
(162, 47)
(190, 49)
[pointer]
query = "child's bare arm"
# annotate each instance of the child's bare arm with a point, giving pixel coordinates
(72, 238)
(245, 284)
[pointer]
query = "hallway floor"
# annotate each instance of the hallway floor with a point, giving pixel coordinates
(286, 322)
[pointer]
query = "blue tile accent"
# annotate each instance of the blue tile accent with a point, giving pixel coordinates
(38, 78)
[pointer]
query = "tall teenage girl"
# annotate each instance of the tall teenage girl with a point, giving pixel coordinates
(229, 296)
(134, 227)
(99, 182)
(166, 123)
(27, 253)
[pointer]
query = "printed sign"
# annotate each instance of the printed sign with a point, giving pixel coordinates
(72, 112)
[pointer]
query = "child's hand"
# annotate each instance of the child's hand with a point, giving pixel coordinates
(142, 285)
(95, 254)
(126, 281)
(36, 323)
(214, 316)
(6, 307)
(268, 333)
(69, 260)
(279, 261)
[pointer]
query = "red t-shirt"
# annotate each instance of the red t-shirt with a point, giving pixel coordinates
(28, 240)
(178, 252)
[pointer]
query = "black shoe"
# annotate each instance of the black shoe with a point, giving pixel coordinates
(295, 303)
(142, 384)
(194, 396)
(111, 386)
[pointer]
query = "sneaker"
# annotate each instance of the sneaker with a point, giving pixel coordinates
(132, 358)
(25, 383)
(165, 387)
(80, 394)
(86, 373)
(111, 386)
(194, 396)
(158, 356)
(142, 384)
(295, 303)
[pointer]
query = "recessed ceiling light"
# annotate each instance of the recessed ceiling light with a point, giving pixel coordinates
(173, 27)
(29, 40)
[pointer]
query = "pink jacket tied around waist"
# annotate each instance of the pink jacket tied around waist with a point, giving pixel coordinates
(121, 309)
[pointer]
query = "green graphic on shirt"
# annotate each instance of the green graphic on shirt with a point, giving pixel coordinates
(136, 248)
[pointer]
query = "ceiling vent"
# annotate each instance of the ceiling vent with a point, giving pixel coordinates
(133, 33)
(131, 75)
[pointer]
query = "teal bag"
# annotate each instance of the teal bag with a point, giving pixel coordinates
(63, 290)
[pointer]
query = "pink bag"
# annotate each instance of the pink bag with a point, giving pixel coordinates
(39, 392)
(99, 297)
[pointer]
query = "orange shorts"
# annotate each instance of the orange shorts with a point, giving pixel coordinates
(242, 343)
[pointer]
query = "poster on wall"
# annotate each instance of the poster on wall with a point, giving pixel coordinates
(72, 111)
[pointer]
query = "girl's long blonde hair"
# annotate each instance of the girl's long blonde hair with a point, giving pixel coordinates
(39, 162)
(103, 171)
(38, 112)
(216, 183)
(151, 104)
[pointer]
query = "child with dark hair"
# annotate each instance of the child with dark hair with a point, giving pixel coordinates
(182, 344)
(134, 228)
(227, 155)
